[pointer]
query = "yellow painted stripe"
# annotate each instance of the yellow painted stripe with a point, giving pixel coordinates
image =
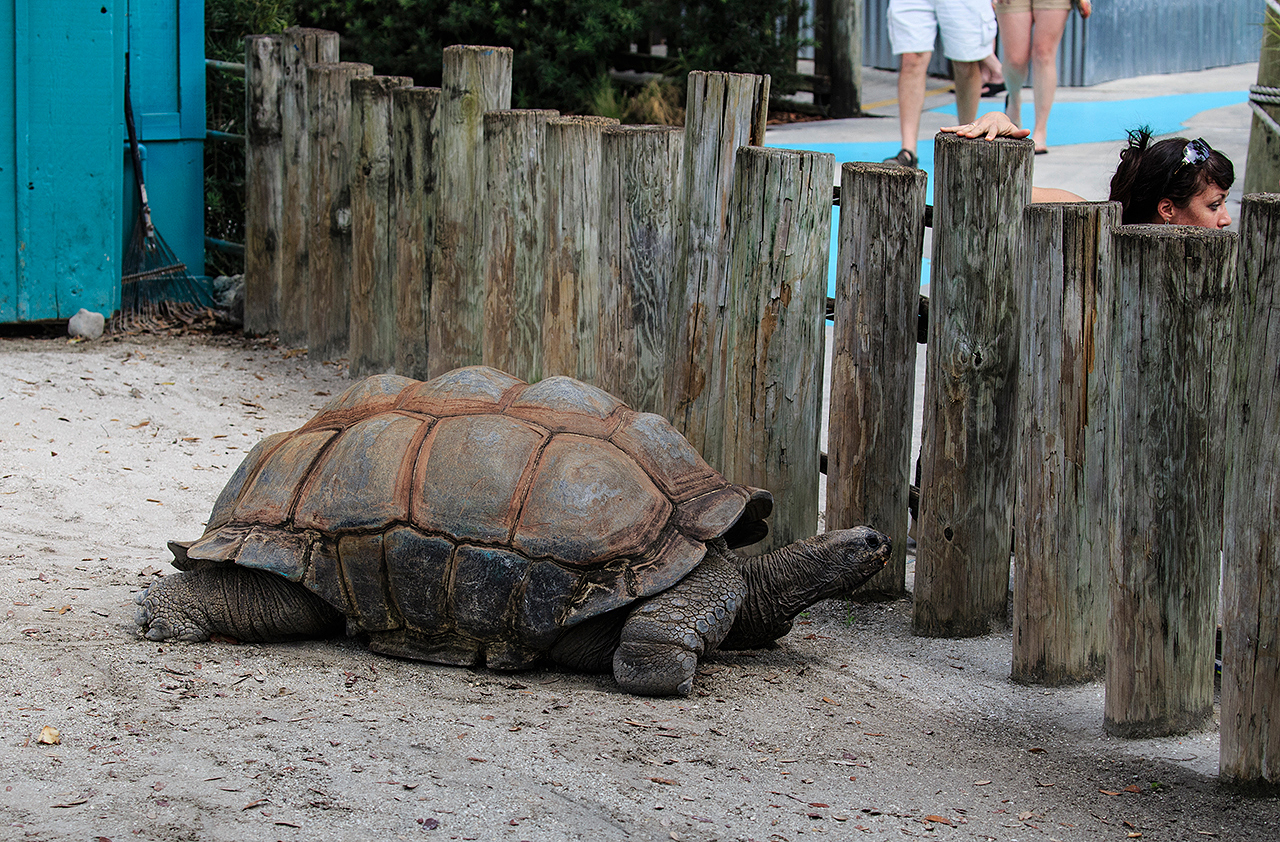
(946, 89)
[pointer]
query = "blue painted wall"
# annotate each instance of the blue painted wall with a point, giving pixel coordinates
(166, 50)
(67, 195)
(61, 118)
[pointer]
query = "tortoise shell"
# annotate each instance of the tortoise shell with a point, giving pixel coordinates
(473, 518)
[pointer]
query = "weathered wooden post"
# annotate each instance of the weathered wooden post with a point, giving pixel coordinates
(1250, 751)
(844, 57)
(1171, 345)
(780, 233)
(475, 80)
(571, 291)
(1061, 518)
(723, 111)
(516, 236)
(966, 487)
(329, 242)
(415, 166)
(873, 361)
(373, 246)
(301, 47)
(263, 182)
(641, 176)
(1262, 167)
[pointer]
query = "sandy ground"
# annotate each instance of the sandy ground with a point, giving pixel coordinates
(850, 728)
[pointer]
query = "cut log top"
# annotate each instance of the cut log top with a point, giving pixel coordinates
(631, 130)
(586, 120)
(478, 50)
(1173, 232)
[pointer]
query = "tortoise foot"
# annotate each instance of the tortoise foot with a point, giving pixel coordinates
(664, 637)
(163, 614)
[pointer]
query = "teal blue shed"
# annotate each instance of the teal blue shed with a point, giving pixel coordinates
(67, 200)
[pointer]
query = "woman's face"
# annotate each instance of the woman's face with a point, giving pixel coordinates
(1207, 209)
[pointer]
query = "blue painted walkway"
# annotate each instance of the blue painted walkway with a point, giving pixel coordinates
(1069, 123)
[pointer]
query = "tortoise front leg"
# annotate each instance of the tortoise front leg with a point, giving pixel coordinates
(666, 634)
(238, 602)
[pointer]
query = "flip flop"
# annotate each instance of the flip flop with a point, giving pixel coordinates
(993, 89)
(1042, 151)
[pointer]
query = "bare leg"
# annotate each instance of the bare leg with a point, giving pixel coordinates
(1044, 64)
(911, 79)
(1015, 35)
(968, 75)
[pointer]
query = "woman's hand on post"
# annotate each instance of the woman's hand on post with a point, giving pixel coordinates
(991, 125)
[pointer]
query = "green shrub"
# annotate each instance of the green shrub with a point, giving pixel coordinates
(226, 22)
(742, 36)
(562, 47)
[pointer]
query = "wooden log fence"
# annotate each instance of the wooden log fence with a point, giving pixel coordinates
(966, 489)
(1061, 519)
(264, 182)
(1250, 750)
(873, 360)
(698, 291)
(1170, 363)
(301, 48)
(515, 248)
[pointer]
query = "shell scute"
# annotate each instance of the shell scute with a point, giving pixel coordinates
(366, 581)
(470, 474)
(588, 504)
(276, 551)
(484, 581)
(417, 570)
(666, 456)
(270, 494)
(225, 505)
(367, 397)
(357, 482)
(565, 405)
(463, 391)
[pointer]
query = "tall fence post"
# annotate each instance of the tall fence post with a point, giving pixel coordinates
(475, 80)
(373, 303)
(571, 291)
(723, 111)
(966, 491)
(329, 243)
(641, 175)
(264, 183)
(516, 236)
(1250, 750)
(1061, 520)
(1171, 344)
(416, 167)
(1262, 163)
(301, 47)
(780, 233)
(873, 361)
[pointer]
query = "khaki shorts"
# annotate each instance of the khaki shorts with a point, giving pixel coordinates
(1004, 7)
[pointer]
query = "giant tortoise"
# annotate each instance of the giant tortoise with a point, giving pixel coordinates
(476, 519)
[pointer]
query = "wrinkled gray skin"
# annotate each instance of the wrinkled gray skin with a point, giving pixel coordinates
(652, 646)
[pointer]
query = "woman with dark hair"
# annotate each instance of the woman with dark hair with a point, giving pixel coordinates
(1173, 181)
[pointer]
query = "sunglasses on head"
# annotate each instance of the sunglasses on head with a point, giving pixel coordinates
(1195, 153)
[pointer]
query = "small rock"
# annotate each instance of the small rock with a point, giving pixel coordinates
(86, 325)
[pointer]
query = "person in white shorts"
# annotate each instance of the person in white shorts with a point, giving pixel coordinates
(968, 28)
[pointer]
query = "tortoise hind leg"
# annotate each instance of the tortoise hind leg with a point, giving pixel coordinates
(238, 602)
(666, 634)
